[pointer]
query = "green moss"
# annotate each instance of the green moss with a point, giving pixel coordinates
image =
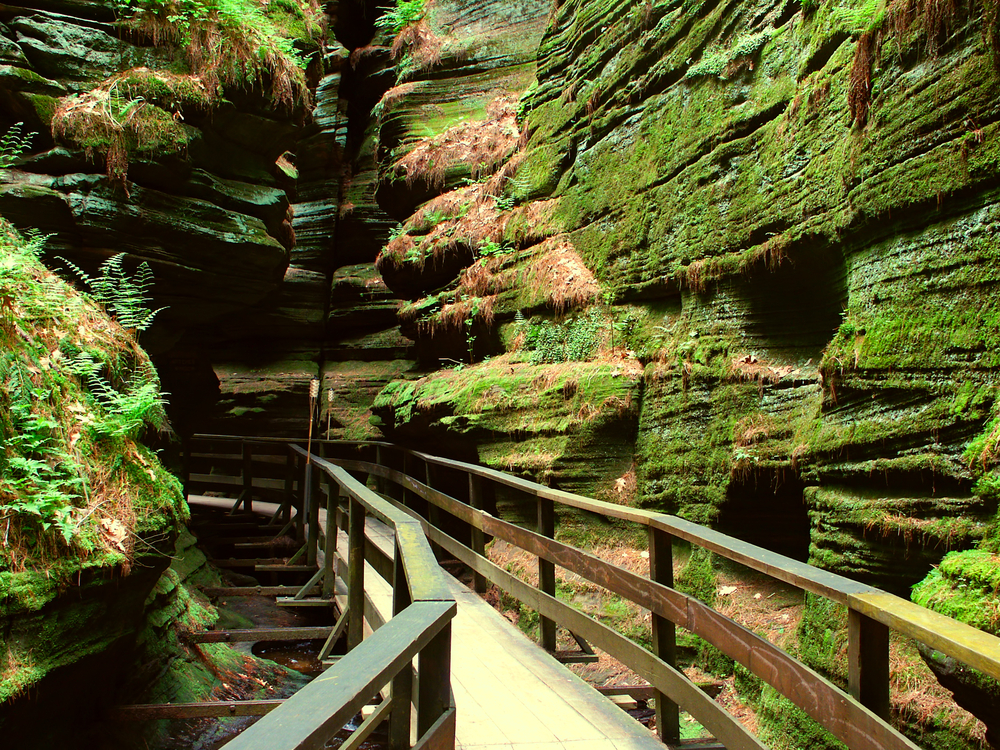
(965, 586)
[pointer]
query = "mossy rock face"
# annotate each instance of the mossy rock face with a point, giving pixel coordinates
(569, 425)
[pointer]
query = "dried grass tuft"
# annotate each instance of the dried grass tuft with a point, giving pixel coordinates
(558, 275)
(482, 145)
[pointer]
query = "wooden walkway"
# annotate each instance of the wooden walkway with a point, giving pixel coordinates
(510, 693)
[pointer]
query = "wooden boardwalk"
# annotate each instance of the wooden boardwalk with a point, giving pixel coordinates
(509, 692)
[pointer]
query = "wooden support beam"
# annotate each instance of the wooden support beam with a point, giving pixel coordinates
(868, 662)
(202, 710)
(223, 591)
(480, 584)
(356, 574)
(661, 570)
(258, 634)
(281, 568)
(546, 573)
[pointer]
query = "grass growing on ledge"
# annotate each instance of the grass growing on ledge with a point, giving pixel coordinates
(236, 42)
(137, 111)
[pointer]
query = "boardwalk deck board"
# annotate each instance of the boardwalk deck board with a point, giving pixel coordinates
(509, 693)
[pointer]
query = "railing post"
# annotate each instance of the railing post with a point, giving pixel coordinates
(546, 572)
(247, 476)
(186, 464)
(330, 548)
(434, 680)
(312, 543)
(289, 500)
(433, 511)
(478, 538)
(868, 662)
(402, 683)
(380, 460)
(409, 463)
(300, 510)
(661, 570)
(356, 574)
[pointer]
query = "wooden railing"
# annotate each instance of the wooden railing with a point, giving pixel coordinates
(422, 605)
(411, 480)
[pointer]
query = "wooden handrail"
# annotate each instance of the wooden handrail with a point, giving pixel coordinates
(420, 625)
(858, 718)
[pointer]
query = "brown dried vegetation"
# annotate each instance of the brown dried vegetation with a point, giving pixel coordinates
(482, 145)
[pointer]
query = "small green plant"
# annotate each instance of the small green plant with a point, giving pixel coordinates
(574, 341)
(396, 232)
(14, 143)
(124, 297)
(397, 18)
(505, 203)
(491, 248)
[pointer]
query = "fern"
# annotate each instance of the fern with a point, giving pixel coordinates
(13, 143)
(125, 298)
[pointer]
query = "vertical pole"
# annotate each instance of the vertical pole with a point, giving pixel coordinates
(186, 464)
(307, 500)
(402, 683)
(434, 680)
(312, 543)
(408, 464)
(330, 549)
(247, 476)
(546, 572)
(300, 509)
(356, 574)
(661, 570)
(289, 485)
(868, 662)
(433, 511)
(478, 538)
(380, 460)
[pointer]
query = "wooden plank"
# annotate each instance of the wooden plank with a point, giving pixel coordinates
(368, 726)
(317, 711)
(546, 572)
(291, 601)
(202, 710)
(441, 736)
(285, 568)
(221, 591)
(258, 634)
(868, 662)
(226, 481)
(378, 559)
(956, 639)
(661, 570)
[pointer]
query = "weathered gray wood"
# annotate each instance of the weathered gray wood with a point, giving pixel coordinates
(479, 583)
(317, 711)
(356, 574)
(661, 570)
(402, 683)
(258, 634)
(330, 539)
(201, 710)
(222, 591)
(313, 501)
(868, 662)
(441, 736)
(434, 683)
(546, 572)
(335, 632)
